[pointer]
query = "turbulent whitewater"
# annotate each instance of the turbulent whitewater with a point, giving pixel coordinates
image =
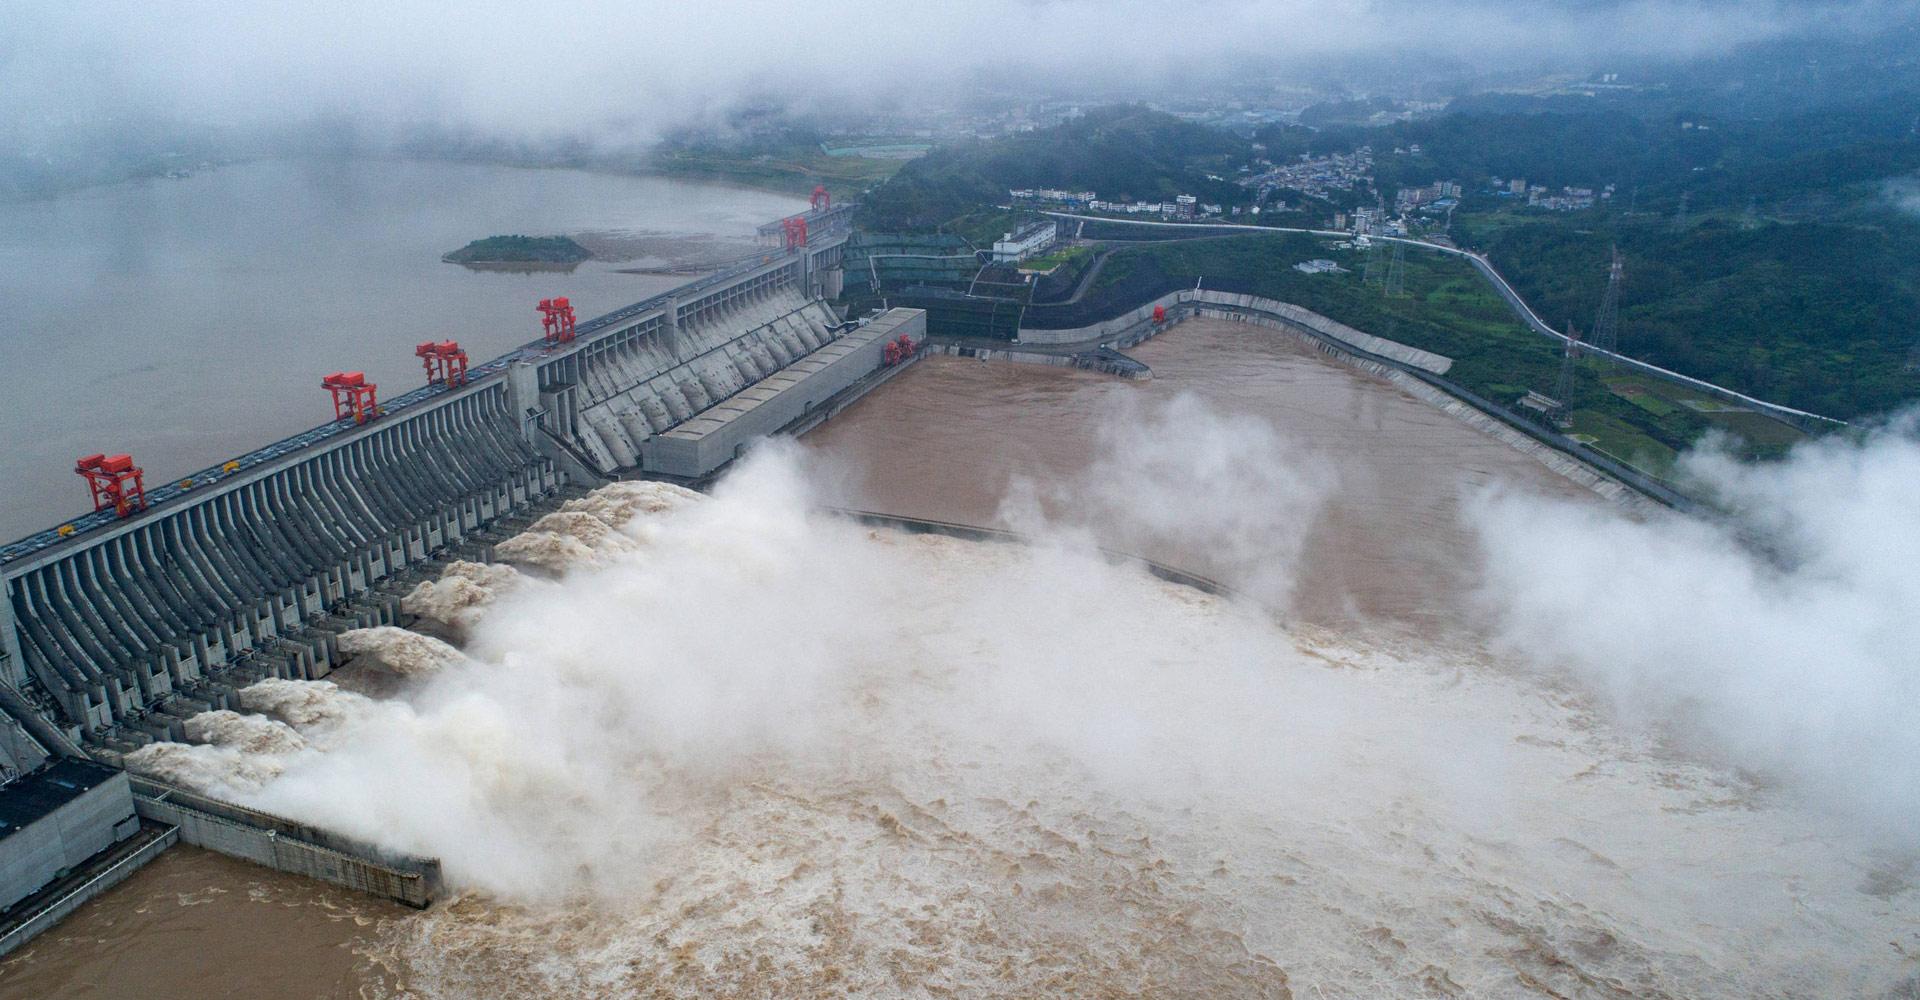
(733, 747)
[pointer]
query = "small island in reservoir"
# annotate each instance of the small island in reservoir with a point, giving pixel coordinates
(550, 251)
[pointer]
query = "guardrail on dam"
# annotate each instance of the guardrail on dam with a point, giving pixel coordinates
(116, 629)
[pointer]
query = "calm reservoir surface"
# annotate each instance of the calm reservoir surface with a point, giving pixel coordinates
(186, 321)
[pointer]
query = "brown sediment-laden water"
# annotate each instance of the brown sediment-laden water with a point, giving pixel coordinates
(732, 746)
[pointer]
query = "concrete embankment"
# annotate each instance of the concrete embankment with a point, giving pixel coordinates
(1420, 373)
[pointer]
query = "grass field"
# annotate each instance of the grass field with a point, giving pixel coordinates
(1759, 435)
(1624, 442)
(1049, 261)
(1635, 391)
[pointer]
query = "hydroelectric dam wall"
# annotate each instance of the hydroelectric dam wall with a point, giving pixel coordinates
(114, 630)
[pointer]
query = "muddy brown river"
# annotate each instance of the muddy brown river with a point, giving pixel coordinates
(1379, 544)
(947, 441)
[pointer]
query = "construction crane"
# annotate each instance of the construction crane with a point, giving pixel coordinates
(115, 482)
(821, 200)
(353, 396)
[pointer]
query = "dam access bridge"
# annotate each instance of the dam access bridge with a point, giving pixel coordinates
(120, 624)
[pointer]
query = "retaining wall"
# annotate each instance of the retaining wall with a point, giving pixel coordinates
(80, 895)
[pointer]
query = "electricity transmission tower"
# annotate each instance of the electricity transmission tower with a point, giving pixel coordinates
(1563, 386)
(1397, 272)
(1606, 325)
(1680, 217)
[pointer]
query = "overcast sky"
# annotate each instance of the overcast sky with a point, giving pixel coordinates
(620, 72)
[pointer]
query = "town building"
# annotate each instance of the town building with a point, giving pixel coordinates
(1028, 240)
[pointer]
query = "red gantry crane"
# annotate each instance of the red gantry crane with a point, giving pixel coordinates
(115, 483)
(353, 396)
(795, 228)
(899, 350)
(445, 362)
(556, 320)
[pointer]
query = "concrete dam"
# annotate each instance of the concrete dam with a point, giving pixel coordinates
(121, 624)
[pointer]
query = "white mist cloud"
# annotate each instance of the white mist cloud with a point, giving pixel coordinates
(1784, 641)
(615, 74)
(1231, 490)
(1903, 193)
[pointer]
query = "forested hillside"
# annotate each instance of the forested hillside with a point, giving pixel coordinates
(1124, 152)
(1819, 317)
(1765, 205)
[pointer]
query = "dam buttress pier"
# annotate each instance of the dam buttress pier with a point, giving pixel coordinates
(169, 597)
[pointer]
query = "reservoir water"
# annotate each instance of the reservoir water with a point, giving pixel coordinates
(188, 320)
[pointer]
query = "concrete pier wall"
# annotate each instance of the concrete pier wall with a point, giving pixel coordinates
(718, 435)
(284, 845)
(1129, 326)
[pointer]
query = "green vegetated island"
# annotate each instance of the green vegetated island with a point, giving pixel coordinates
(520, 250)
(1770, 232)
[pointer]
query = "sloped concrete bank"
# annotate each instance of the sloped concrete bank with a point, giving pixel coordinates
(1577, 462)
